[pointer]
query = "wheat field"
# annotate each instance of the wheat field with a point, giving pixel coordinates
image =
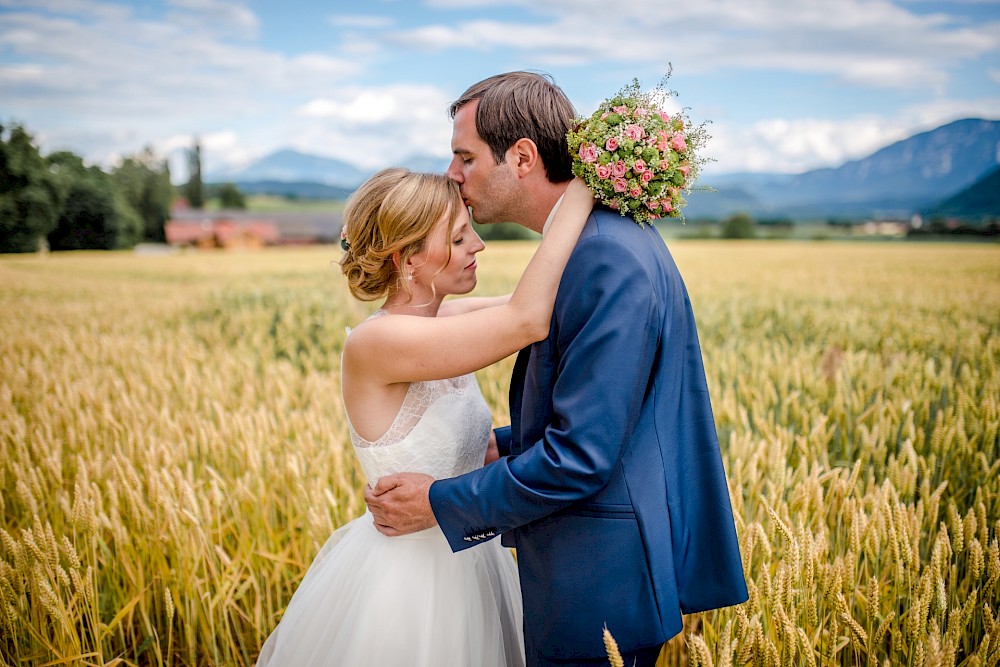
(173, 450)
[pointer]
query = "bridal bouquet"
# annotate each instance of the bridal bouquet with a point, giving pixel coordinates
(637, 158)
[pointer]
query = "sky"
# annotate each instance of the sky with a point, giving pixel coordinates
(785, 85)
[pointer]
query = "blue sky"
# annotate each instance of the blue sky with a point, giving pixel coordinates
(788, 85)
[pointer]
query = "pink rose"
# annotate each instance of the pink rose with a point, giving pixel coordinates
(652, 205)
(639, 166)
(654, 216)
(603, 171)
(635, 132)
(620, 110)
(684, 169)
(664, 165)
(666, 206)
(635, 192)
(677, 142)
(604, 115)
(641, 112)
(620, 185)
(613, 204)
(618, 169)
(611, 144)
(664, 140)
(588, 152)
(664, 116)
(646, 176)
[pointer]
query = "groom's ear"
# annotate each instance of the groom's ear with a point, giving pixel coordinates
(525, 156)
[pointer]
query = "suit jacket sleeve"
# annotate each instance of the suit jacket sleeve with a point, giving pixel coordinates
(607, 327)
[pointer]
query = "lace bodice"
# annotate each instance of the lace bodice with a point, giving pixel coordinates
(442, 429)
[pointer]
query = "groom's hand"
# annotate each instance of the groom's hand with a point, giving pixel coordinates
(401, 503)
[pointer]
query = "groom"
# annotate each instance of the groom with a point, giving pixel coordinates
(610, 485)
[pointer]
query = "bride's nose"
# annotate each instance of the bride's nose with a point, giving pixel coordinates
(478, 245)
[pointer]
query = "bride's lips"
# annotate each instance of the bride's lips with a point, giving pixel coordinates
(472, 265)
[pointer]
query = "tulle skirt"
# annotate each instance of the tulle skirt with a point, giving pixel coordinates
(368, 599)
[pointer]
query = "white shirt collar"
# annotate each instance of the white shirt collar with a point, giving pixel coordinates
(552, 214)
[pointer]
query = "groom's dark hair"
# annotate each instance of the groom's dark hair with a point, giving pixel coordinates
(520, 105)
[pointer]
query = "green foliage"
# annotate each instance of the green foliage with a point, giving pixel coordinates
(231, 197)
(195, 190)
(739, 226)
(144, 182)
(504, 231)
(94, 215)
(74, 206)
(29, 198)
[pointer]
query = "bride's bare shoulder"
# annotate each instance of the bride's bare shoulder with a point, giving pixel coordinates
(374, 335)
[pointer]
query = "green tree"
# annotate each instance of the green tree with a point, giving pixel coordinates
(94, 214)
(144, 181)
(739, 226)
(231, 197)
(195, 187)
(504, 231)
(29, 197)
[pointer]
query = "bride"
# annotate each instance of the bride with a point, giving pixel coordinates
(413, 404)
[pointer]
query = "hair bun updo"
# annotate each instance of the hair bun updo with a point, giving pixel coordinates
(392, 214)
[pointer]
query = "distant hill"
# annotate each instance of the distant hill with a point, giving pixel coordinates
(294, 189)
(295, 174)
(294, 167)
(980, 200)
(909, 176)
(427, 163)
(905, 177)
(720, 203)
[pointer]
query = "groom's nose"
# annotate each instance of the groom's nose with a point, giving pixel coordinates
(455, 169)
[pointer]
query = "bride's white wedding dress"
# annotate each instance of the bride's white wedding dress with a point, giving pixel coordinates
(368, 599)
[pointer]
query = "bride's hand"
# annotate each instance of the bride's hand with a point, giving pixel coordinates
(492, 453)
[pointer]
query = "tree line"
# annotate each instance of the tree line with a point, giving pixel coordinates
(57, 201)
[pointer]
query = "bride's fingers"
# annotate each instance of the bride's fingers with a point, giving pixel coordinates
(387, 530)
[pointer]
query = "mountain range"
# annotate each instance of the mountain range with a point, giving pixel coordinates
(914, 175)
(289, 166)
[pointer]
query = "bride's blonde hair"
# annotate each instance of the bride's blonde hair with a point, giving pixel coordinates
(393, 212)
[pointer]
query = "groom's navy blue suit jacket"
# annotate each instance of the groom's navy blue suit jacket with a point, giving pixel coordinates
(612, 487)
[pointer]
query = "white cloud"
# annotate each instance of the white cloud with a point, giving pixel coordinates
(875, 43)
(103, 80)
(141, 80)
(375, 126)
(795, 145)
(785, 145)
(223, 16)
